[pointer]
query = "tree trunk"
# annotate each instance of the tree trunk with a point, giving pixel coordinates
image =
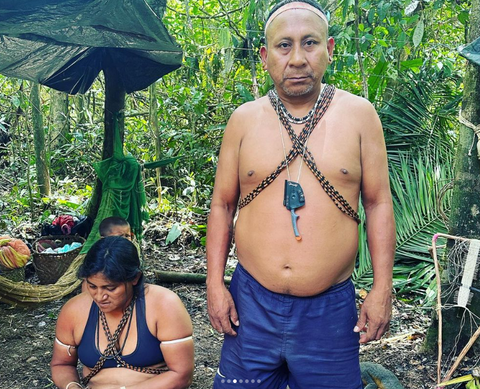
(155, 130)
(464, 216)
(80, 110)
(176, 277)
(114, 116)
(43, 176)
(59, 119)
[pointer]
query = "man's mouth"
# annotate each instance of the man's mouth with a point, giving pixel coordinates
(297, 78)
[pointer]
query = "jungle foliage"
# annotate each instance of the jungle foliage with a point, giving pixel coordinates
(399, 54)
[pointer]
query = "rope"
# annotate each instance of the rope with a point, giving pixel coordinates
(476, 130)
(111, 349)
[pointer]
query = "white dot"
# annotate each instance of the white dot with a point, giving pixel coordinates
(234, 381)
(246, 381)
(258, 381)
(228, 381)
(241, 381)
(223, 381)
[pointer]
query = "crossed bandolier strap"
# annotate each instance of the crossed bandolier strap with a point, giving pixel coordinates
(299, 148)
(111, 351)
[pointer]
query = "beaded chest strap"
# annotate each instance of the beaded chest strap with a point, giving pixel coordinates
(298, 148)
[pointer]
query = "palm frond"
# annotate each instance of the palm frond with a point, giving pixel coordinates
(420, 137)
(415, 188)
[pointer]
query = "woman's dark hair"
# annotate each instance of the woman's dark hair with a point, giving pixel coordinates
(115, 257)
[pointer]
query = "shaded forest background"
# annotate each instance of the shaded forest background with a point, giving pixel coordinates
(401, 55)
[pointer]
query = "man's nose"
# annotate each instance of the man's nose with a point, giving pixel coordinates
(297, 57)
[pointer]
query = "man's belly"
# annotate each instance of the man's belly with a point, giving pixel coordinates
(268, 250)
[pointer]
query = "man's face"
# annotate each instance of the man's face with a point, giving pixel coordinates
(298, 52)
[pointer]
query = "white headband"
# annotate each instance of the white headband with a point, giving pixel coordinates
(295, 5)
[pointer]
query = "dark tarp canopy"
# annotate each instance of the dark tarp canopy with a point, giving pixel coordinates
(64, 44)
(472, 51)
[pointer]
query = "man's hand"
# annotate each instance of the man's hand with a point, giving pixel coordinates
(221, 310)
(375, 315)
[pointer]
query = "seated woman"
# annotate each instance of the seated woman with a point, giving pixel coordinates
(127, 334)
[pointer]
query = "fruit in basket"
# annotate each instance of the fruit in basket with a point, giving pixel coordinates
(14, 253)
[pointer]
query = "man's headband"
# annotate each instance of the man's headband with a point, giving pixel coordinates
(295, 5)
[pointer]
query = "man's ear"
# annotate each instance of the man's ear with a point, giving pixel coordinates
(263, 55)
(330, 46)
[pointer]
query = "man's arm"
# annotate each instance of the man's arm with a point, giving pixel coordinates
(376, 197)
(221, 308)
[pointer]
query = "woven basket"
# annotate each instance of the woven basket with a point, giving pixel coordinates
(15, 275)
(50, 267)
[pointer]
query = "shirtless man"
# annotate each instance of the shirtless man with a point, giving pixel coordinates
(290, 315)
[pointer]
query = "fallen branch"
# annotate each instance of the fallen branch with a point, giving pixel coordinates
(188, 278)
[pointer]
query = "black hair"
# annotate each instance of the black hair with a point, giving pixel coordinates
(109, 222)
(116, 257)
(313, 3)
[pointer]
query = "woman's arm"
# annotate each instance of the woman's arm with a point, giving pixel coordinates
(64, 359)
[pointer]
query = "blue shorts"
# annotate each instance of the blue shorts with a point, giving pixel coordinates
(302, 342)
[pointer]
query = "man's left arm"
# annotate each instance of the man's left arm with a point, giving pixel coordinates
(375, 312)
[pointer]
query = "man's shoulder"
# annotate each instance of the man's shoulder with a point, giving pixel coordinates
(251, 108)
(247, 116)
(351, 100)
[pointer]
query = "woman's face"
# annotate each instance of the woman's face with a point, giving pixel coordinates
(110, 295)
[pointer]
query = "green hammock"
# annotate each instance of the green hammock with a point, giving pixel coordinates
(123, 193)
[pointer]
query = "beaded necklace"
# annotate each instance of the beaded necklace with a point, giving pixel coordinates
(293, 119)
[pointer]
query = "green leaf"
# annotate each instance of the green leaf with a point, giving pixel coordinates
(376, 79)
(412, 64)
(244, 93)
(173, 234)
(225, 38)
(418, 33)
(409, 9)
(16, 101)
(463, 17)
(228, 60)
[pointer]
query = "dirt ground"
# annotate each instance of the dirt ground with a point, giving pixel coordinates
(27, 334)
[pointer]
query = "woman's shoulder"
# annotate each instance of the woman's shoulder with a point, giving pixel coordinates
(162, 302)
(77, 306)
(160, 295)
(72, 318)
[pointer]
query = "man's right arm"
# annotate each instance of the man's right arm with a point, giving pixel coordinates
(221, 308)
